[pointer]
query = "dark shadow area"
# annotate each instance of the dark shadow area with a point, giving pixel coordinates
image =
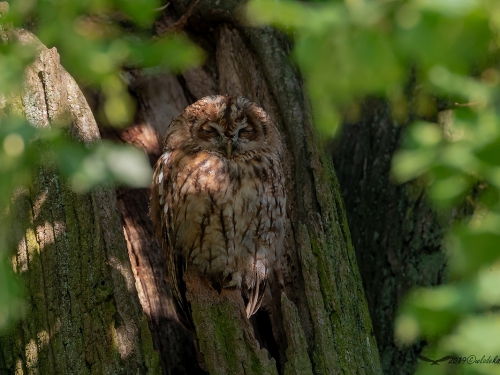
(263, 332)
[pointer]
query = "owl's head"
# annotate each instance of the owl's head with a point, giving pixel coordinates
(232, 127)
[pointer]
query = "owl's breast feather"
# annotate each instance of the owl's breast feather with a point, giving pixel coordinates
(221, 216)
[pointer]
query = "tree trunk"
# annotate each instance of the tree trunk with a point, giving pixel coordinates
(82, 312)
(318, 317)
(396, 233)
(83, 302)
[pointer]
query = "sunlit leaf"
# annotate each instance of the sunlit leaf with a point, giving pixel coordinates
(408, 165)
(487, 284)
(426, 134)
(448, 8)
(476, 336)
(449, 189)
(300, 16)
(110, 162)
(431, 312)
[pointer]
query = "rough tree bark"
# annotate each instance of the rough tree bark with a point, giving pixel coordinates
(319, 319)
(316, 322)
(396, 232)
(82, 311)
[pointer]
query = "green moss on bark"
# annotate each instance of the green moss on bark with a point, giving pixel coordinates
(298, 359)
(225, 335)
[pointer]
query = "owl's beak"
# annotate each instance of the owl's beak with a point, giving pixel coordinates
(229, 148)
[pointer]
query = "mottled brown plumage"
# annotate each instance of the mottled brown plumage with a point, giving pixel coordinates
(218, 198)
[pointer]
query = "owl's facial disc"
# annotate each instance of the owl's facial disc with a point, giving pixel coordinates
(247, 137)
(247, 132)
(208, 132)
(229, 138)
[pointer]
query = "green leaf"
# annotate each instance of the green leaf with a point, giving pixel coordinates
(431, 312)
(407, 165)
(452, 42)
(473, 250)
(476, 336)
(174, 52)
(109, 162)
(490, 153)
(142, 12)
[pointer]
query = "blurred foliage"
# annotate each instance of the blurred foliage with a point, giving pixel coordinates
(96, 40)
(418, 53)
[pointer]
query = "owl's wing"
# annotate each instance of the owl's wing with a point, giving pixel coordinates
(176, 266)
(160, 172)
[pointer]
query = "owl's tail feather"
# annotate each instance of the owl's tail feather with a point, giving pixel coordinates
(255, 296)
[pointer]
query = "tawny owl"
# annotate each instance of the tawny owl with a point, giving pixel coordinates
(218, 198)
